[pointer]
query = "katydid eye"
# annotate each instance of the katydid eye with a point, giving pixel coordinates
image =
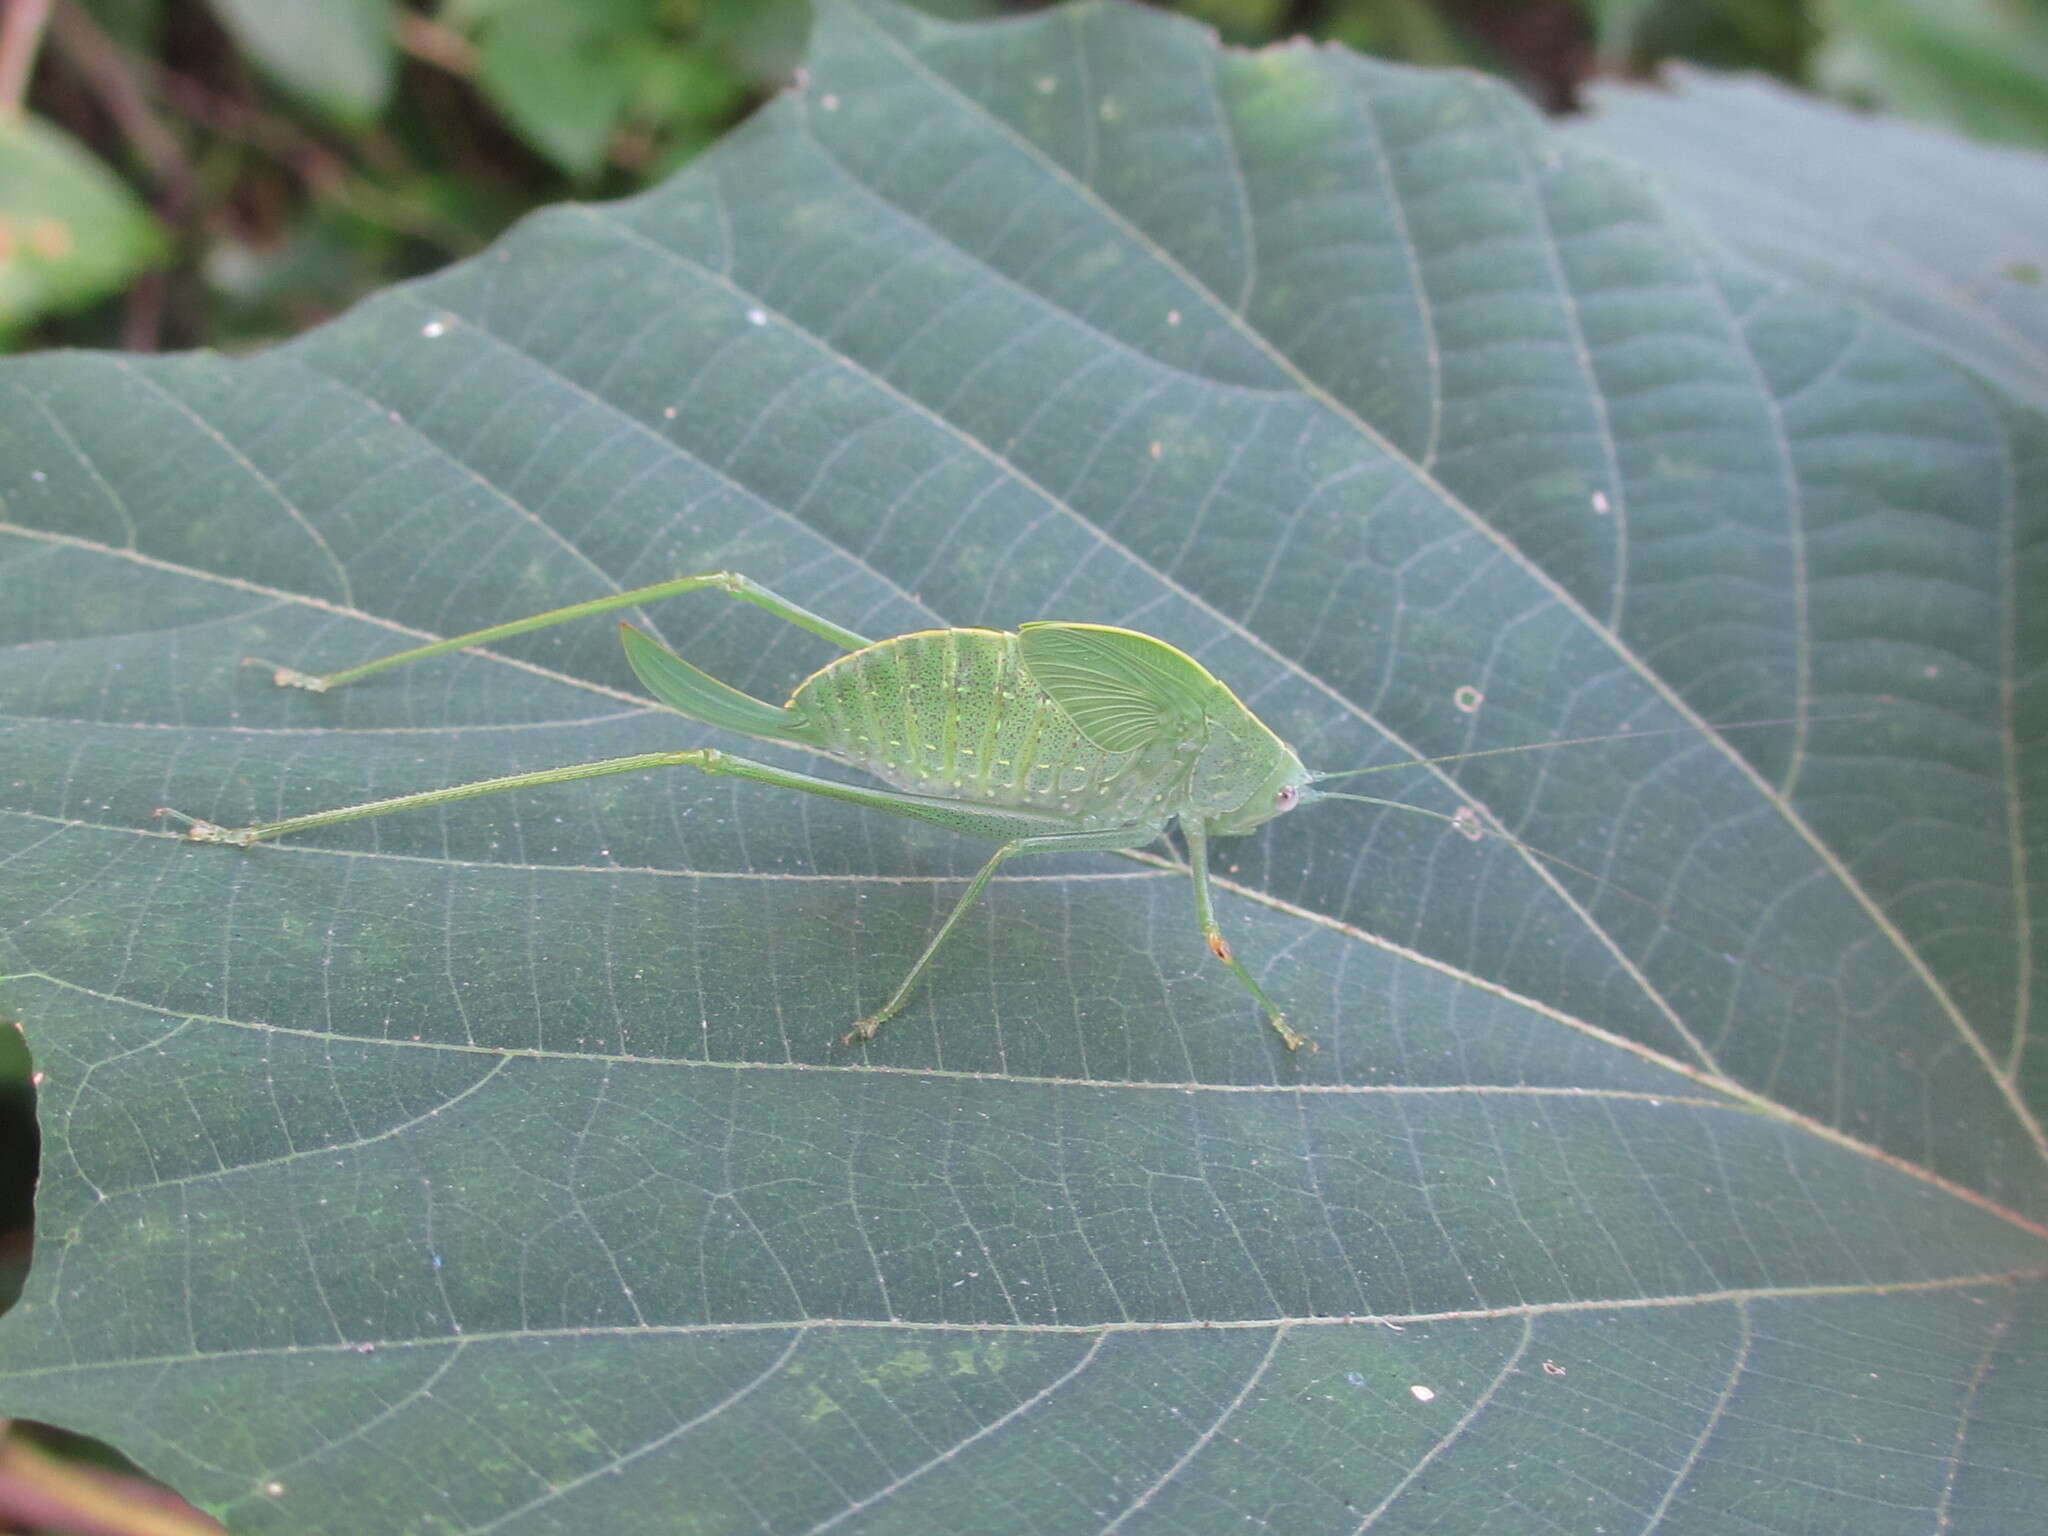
(1286, 798)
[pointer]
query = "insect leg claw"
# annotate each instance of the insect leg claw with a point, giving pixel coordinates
(864, 1031)
(198, 831)
(1294, 1038)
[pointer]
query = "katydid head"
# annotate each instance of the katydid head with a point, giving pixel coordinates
(1280, 791)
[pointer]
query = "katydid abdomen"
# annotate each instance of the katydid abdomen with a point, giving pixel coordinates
(954, 713)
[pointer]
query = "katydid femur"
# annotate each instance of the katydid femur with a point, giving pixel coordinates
(1053, 738)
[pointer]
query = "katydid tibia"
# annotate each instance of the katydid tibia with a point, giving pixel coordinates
(1055, 737)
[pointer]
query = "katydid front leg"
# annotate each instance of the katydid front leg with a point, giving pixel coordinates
(1198, 863)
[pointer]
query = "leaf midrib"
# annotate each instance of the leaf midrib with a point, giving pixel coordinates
(1179, 1088)
(1736, 1097)
(1535, 1309)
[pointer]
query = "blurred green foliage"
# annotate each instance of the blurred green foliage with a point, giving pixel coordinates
(1974, 65)
(227, 172)
(69, 230)
(1776, 36)
(337, 55)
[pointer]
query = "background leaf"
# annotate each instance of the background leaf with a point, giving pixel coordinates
(563, 77)
(337, 54)
(491, 1168)
(1974, 64)
(69, 232)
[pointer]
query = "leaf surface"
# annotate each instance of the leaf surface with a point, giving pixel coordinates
(1947, 239)
(491, 1168)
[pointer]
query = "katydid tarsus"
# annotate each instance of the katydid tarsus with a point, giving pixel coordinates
(1056, 737)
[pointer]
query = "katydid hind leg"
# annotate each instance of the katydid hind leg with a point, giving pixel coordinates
(974, 821)
(731, 583)
(1219, 946)
(201, 831)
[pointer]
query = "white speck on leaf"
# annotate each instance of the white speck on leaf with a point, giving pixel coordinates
(1422, 1394)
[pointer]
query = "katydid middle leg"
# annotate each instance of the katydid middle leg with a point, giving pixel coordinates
(1056, 842)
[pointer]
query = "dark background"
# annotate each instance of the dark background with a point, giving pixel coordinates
(243, 169)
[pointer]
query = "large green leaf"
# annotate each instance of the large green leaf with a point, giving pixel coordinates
(492, 1168)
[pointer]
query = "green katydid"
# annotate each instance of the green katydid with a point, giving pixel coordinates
(1055, 737)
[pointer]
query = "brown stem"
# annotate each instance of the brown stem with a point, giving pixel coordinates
(107, 69)
(21, 35)
(320, 170)
(38, 1491)
(432, 43)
